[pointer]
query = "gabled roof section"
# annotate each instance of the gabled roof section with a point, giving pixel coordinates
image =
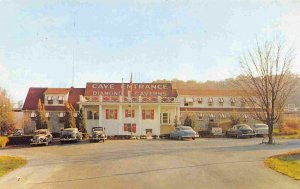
(74, 96)
(57, 91)
(191, 92)
(32, 98)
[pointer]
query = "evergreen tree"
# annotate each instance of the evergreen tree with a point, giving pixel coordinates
(39, 121)
(69, 116)
(188, 121)
(80, 121)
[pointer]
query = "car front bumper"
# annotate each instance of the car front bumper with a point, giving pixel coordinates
(190, 136)
(68, 139)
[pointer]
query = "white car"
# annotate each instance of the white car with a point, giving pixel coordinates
(41, 136)
(184, 132)
(260, 129)
(70, 134)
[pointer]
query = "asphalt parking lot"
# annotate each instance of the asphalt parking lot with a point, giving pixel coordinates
(203, 163)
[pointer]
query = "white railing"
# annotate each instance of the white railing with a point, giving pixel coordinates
(120, 99)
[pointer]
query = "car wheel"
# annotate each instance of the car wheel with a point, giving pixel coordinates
(193, 138)
(62, 142)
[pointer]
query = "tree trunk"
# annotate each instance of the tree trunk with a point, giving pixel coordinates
(270, 134)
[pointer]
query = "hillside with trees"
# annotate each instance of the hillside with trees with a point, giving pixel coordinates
(226, 84)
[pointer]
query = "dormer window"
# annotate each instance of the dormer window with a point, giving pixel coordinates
(243, 102)
(232, 101)
(61, 99)
(221, 101)
(199, 100)
(210, 101)
(50, 99)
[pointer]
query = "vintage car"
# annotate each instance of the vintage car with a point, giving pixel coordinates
(260, 129)
(184, 132)
(70, 134)
(239, 131)
(18, 132)
(98, 134)
(41, 136)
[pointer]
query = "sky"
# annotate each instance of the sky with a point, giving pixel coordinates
(155, 39)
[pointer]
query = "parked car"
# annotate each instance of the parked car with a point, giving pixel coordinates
(70, 134)
(239, 131)
(184, 132)
(18, 132)
(41, 136)
(260, 129)
(98, 134)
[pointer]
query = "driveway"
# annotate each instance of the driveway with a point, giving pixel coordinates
(203, 163)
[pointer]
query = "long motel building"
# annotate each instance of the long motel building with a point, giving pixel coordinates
(152, 108)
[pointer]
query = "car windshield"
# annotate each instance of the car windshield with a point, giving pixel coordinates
(186, 128)
(68, 131)
(261, 126)
(243, 127)
(40, 132)
(98, 129)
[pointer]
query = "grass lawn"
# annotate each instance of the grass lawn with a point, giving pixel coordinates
(9, 163)
(288, 164)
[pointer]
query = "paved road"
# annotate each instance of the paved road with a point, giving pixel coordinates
(203, 163)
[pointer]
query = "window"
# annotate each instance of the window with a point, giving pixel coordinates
(210, 101)
(221, 101)
(129, 113)
(188, 101)
(61, 116)
(166, 118)
(111, 114)
(32, 116)
(50, 99)
(199, 100)
(89, 115)
(148, 114)
(232, 101)
(130, 127)
(60, 100)
(200, 116)
(222, 116)
(96, 115)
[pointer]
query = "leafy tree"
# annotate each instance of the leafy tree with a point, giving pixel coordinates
(69, 116)
(80, 121)
(267, 81)
(41, 121)
(6, 114)
(188, 121)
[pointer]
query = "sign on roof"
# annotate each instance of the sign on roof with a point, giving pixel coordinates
(139, 89)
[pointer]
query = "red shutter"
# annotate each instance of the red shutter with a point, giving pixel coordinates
(134, 128)
(132, 113)
(152, 114)
(107, 114)
(116, 114)
(143, 114)
(125, 127)
(126, 113)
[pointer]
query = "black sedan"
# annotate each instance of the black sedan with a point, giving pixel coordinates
(240, 130)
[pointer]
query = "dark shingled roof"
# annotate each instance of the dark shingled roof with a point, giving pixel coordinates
(34, 94)
(32, 98)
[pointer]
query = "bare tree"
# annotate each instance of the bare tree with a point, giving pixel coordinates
(267, 81)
